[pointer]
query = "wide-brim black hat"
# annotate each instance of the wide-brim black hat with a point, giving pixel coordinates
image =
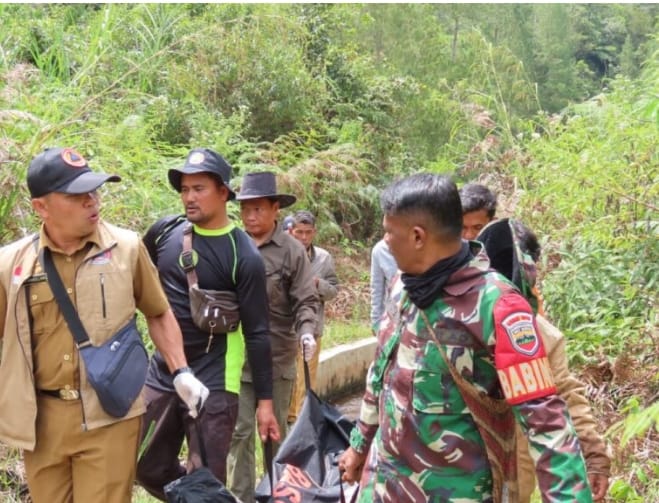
(203, 160)
(263, 184)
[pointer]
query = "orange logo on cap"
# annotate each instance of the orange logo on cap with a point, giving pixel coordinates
(196, 158)
(73, 158)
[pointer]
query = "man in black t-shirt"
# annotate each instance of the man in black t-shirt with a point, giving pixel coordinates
(224, 259)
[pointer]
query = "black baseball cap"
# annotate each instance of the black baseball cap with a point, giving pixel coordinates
(63, 170)
(203, 160)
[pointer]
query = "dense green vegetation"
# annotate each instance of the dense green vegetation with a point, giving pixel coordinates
(556, 106)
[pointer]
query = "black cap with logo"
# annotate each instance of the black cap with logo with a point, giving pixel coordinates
(63, 170)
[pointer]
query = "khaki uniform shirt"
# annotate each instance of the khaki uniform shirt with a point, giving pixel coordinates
(107, 280)
(572, 391)
(56, 363)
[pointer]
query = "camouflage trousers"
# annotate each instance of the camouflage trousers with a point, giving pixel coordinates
(386, 479)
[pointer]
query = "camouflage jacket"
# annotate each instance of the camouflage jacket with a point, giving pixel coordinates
(421, 440)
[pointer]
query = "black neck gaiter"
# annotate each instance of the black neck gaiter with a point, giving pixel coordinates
(425, 288)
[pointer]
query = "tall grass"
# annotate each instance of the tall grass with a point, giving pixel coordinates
(299, 90)
(591, 189)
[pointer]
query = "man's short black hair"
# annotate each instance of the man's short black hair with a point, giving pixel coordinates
(434, 196)
(475, 197)
(304, 217)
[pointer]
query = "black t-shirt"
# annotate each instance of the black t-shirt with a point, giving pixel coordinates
(226, 259)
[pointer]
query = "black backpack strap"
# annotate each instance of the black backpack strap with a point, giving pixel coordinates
(187, 256)
(158, 231)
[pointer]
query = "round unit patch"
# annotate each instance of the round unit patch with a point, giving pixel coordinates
(196, 158)
(73, 158)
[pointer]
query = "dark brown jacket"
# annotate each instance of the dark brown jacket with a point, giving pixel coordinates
(292, 300)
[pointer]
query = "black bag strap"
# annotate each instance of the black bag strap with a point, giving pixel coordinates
(200, 440)
(187, 256)
(267, 459)
(66, 306)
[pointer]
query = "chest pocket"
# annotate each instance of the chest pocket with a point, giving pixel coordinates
(43, 307)
(105, 294)
(278, 284)
(433, 388)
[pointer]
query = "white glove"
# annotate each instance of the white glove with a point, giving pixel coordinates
(191, 390)
(308, 344)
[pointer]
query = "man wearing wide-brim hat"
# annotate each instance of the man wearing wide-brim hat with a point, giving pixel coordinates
(293, 304)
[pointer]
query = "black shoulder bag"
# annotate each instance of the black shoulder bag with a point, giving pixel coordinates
(116, 369)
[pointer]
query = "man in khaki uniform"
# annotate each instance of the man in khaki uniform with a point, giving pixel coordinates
(74, 451)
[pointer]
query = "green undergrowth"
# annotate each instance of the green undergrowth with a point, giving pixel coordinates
(590, 189)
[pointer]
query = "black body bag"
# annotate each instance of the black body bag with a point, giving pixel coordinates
(306, 467)
(200, 486)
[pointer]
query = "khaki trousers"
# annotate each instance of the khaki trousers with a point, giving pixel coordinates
(69, 465)
(299, 389)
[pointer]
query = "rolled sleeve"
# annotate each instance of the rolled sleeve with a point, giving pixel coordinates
(572, 390)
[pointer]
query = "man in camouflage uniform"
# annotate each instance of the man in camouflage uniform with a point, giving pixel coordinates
(513, 250)
(420, 437)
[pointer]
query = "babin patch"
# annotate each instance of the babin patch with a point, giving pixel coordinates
(527, 380)
(521, 332)
(196, 158)
(73, 158)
